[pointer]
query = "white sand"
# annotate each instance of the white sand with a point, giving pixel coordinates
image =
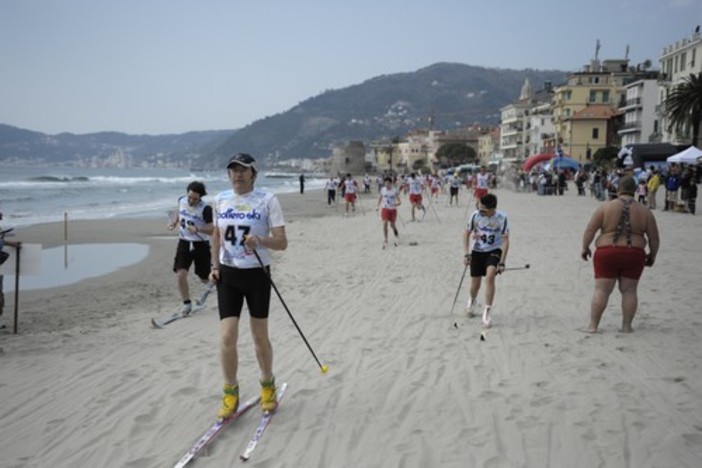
(88, 382)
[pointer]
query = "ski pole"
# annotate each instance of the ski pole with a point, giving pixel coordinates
(434, 209)
(525, 267)
(323, 368)
(460, 283)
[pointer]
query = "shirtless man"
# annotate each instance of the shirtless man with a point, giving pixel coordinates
(625, 228)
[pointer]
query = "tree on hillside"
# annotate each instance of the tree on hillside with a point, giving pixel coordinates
(455, 154)
(683, 107)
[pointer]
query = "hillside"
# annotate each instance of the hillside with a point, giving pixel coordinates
(385, 107)
(441, 96)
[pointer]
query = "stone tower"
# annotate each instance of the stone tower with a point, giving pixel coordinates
(349, 157)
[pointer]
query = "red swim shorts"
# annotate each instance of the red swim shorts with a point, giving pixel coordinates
(350, 197)
(619, 261)
(388, 214)
(415, 199)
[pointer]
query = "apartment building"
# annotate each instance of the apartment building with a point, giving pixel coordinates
(526, 126)
(640, 123)
(598, 84)
(678, 61)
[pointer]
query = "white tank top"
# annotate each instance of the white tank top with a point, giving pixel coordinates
(237, 216)
(191, 216)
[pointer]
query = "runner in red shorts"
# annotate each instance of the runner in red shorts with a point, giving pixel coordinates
(388, 202)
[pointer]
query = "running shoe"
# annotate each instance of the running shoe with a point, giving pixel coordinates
(487, 320)
(186, 309)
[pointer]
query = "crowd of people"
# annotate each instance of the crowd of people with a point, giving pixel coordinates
(678, 182)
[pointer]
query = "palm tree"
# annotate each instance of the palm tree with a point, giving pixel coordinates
(683, 106)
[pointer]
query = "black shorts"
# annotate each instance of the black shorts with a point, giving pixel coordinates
(454, 191)
(237, 284)
(200, 254)
(480, 261)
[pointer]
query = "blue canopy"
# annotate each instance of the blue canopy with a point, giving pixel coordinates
(562, 162)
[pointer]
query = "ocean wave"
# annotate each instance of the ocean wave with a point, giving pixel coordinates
(58, 179)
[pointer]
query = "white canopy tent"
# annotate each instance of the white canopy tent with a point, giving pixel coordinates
(688, 156)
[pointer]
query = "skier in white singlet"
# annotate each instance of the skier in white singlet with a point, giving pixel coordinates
(388, 201)
(194, 222)
(485, 247)
(481, 185)
(246, 220)
(416, 188)
(350, 189)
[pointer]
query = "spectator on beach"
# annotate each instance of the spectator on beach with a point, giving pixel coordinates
(562, 182)
(194, 222)
(672, 185)
(455, 185)
(691, 195)
(654, 181)
(248, 222)
(331, 190)
(302, 184)
(625, 228)
(642, 191)
(485, 247)
(388, 201)
(3, 257)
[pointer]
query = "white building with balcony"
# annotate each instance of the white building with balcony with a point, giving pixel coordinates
(640, 121)
(678, 61)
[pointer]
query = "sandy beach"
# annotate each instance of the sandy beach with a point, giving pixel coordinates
(89, 383)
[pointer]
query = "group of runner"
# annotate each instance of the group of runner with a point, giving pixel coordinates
(244, 223)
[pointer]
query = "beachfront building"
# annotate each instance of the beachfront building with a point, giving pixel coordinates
(590, 129)
(679, 60)
(598, 84)
(526, 125)
(512, 125)
(640, 121)
(489, 146)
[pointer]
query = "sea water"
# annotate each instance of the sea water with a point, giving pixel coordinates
(33, 195)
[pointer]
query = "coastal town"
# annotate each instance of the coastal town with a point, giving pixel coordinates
(607, 105)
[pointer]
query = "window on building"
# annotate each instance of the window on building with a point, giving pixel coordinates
(692, 58)
(605, 96)
(683, 58)
(593, 96)
(675, 64)
(595, 133)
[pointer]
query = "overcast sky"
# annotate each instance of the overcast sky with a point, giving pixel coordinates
(171, 66)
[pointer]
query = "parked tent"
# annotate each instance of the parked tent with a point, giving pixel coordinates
(688, 156)
(639, 155)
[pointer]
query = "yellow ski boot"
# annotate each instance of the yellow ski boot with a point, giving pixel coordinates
(230, 401)
(269, 400)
